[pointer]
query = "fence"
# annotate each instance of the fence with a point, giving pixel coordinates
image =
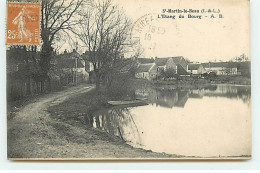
(20, 87)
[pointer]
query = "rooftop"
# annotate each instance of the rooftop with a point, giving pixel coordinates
(163, 61)
(193, 66)
(145, 60)
(219, 64)
(145, 67)
(181, 70)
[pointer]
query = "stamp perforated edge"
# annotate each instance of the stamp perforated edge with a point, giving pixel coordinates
(22, 44)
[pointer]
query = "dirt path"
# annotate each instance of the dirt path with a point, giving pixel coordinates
(32, 133)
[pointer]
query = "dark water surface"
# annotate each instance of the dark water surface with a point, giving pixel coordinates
(206, 122)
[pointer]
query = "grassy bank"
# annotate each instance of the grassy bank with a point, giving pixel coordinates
(237, 80)
(137, 83)
(192, 82)
(79, 108)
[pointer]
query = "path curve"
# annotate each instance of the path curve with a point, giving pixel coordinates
(33, 134)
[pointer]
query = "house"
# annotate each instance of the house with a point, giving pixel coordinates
(147, 71)
(166, 64)
(88, 64)
(176, 64)
(72, 64)
(181, 71)
(196, 69)
(179, 60)
(221, 68)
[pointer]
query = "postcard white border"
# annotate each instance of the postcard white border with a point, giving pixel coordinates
(254, 163)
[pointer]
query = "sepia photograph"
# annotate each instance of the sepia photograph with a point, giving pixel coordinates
(128, 80)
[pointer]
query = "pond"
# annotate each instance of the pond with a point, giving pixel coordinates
(213, 121)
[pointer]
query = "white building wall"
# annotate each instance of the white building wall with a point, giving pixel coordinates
(143, 75)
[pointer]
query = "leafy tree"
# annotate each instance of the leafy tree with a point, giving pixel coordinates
(212, 75)
(205, 75)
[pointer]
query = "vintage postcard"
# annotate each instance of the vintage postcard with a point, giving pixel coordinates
(128, 80)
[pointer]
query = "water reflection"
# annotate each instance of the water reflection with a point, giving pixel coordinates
(176, 97)
(194, 122)
(118, 122)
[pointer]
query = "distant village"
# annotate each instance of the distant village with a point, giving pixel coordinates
(72, 68)
(152, 68)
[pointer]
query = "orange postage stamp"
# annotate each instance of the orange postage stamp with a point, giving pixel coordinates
(23, 23)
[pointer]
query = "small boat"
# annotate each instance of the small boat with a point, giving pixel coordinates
(126, 102)
(141, 99)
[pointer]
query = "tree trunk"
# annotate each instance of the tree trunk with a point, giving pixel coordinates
(45, 61)
(97, 80)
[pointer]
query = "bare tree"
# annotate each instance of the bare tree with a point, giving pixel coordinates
(103, 30)
(56, 16)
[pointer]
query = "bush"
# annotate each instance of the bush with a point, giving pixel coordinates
(212, 75)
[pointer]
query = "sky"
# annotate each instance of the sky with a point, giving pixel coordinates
(199, 40)
(202, 40)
